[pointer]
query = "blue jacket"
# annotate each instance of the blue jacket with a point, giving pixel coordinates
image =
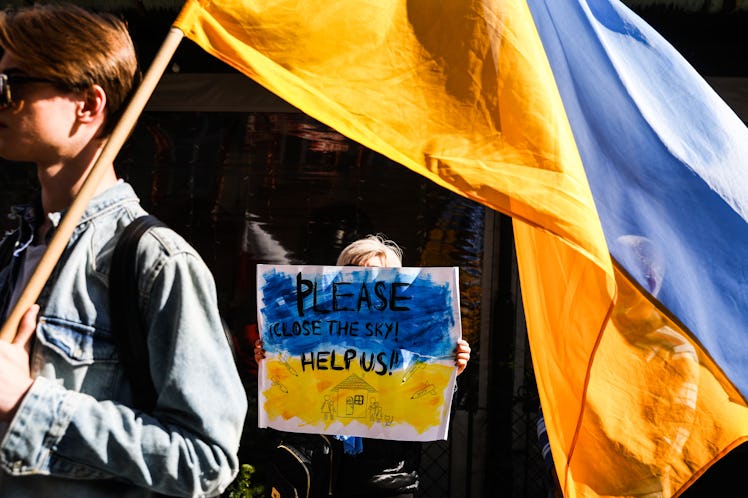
(75, 433)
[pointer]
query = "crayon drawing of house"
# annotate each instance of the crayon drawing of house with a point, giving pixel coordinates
(353, 397)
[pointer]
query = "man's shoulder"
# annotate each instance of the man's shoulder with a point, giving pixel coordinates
(161, 247)
(166, 241)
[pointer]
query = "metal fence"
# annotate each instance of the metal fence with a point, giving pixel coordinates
(493, 448)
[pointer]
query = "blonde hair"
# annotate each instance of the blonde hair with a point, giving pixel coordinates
(362, 250)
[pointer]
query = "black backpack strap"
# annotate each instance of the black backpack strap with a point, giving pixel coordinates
(7, 244)
(127, 326)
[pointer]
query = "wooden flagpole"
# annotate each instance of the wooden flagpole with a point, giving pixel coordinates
(119, 135)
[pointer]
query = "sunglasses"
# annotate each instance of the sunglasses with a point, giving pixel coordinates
(6, 96)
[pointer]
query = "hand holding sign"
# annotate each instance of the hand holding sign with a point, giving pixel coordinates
(359, 340)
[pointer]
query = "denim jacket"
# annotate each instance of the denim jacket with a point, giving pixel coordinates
(75, 433)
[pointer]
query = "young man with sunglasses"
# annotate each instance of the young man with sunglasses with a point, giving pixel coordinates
(69, 426)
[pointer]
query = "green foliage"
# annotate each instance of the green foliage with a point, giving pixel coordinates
(242, 486)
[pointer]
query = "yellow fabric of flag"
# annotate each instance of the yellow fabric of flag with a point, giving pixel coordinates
(657, 411)
(461, 92)
(458, 110)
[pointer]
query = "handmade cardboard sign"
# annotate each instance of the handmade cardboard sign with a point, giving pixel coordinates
(358, 351)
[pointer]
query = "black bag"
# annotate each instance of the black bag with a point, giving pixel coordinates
(129, 333)
(301, 466)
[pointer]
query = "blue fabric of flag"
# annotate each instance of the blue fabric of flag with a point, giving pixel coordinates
(667, 162)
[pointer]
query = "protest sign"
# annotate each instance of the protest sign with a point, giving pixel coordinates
(358, 351)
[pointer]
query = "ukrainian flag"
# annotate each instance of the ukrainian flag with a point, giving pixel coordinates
(624, 173)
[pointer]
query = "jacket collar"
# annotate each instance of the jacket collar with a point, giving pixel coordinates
(100, 204)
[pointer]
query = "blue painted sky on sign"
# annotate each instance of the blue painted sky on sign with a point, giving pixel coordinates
(363, 308)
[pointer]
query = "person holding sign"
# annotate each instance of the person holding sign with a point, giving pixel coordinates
(69, 424)
(374, 468)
